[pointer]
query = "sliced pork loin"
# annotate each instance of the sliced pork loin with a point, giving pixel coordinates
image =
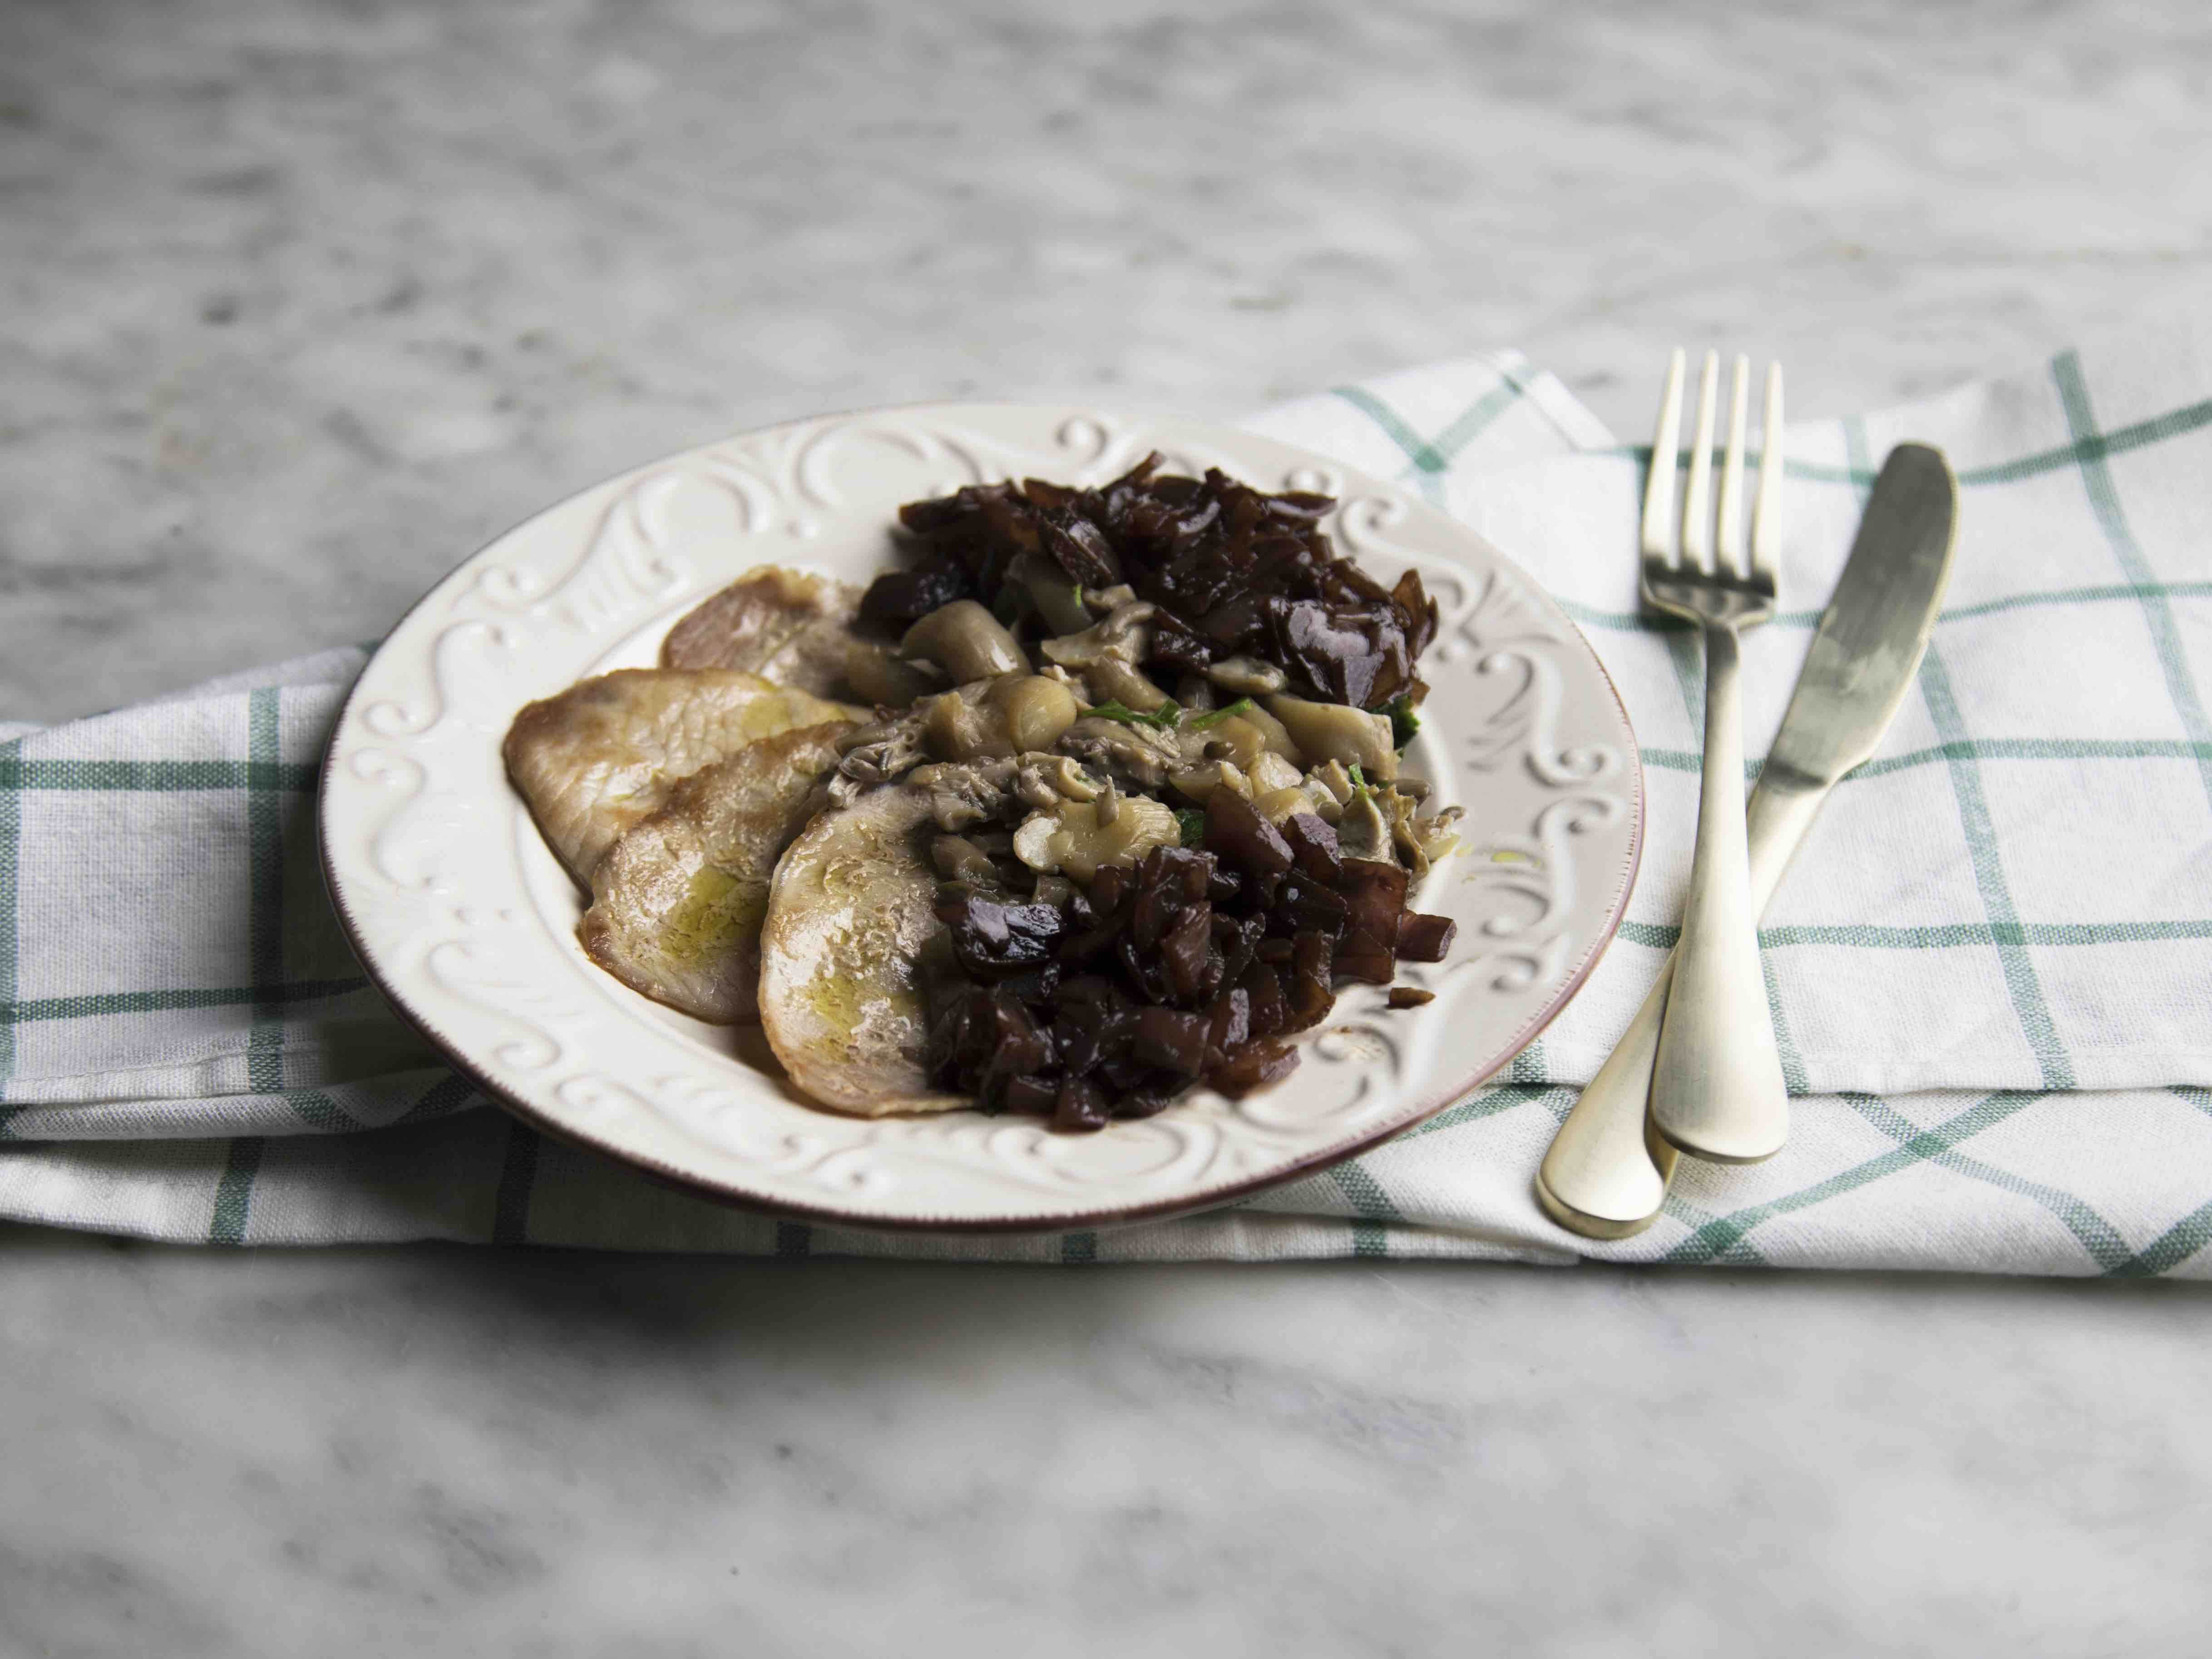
(795, 629)
(603, 755)
(851, 945)
(676, 907)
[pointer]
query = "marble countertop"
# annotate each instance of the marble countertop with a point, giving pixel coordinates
(304, 302)
(444, 1451)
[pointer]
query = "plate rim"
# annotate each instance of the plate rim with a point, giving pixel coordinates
(1114, 1216)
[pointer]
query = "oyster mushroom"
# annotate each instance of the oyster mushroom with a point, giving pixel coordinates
(955, 858)
(1338, 731)
(882, 751)
(963, 795)
(1043, 782)
(1276, 734)
(1111, 680)
(676, 907)
(876, 674)
(1247, 677)
(1125, 635)
(605, 753)
(1142, 754)
(1270, 772)
(1109, 599)
(1276, 805)
(1051, 593)
(1077, 837)
(1011, 714)
(1422, 841)
(850, 947)
(1331, 786)
(962, 724)
(967, 642)
(1200, 781)
(1364, 829)
(1036, 711)
(1107, 654)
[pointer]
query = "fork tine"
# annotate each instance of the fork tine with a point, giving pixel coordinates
(1666, 455)
(1766, 511)
(1697, 498)
(1729, 553)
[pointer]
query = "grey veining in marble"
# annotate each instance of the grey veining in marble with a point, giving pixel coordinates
(444, 1451)
(303, 302)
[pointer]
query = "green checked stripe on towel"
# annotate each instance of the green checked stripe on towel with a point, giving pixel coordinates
(1991, 967)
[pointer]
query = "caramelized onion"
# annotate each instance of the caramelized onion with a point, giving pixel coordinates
(1313, 847)
(1241, 835)
(1256, 1066)
(1235, 573)
(1107, 994)
(995, 940)
(1425, 938)
(1082, 1105)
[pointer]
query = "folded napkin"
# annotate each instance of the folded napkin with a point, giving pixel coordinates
(1990, 966)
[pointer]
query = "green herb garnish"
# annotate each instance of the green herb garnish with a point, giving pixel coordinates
(1403, 722)
(1192, 822)
(1358, 781)
(1219, 715)
(1162, 719)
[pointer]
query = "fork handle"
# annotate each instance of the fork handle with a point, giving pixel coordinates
(1606, 1173)
(1717, 1087)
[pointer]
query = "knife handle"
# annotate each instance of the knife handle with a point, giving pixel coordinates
(1607, 1172)
(1781, 811)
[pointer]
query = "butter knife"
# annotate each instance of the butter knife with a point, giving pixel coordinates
(1607, 1172)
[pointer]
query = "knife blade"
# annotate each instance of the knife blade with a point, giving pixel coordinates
(1607, 1172)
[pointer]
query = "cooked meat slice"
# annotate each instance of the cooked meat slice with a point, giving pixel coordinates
(851, 945)
(794, 629)
(604, 753)
(676, 907)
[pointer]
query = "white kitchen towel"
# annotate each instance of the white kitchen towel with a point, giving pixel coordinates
(1991, 965)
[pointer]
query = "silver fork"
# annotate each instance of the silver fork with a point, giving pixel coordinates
(1716, 1089)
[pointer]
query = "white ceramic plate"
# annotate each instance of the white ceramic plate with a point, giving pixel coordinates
(465, 920)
